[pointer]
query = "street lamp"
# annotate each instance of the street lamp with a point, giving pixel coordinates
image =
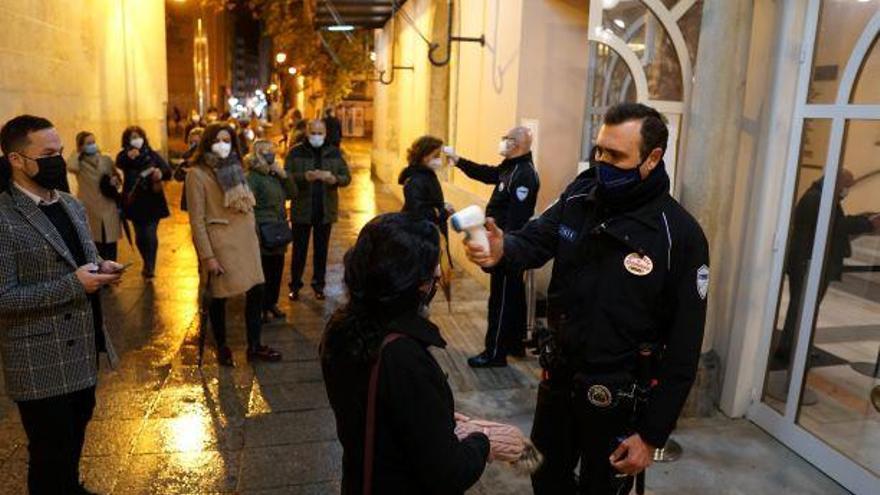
(291, 71)
(280, 57)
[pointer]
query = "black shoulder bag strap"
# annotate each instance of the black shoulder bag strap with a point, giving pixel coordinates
(370, 430)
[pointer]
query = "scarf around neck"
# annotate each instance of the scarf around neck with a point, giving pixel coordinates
(236, 193)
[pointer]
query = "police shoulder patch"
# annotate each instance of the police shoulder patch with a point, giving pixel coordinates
(703, 281)
(522, 192)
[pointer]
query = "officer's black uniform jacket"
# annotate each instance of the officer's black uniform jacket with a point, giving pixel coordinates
(601, 312)
(513, 201)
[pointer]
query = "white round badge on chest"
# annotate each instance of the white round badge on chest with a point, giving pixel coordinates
(638, 265)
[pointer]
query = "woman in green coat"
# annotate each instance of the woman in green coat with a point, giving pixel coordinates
(271, 187)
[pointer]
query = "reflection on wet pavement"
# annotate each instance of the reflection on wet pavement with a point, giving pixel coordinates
(162, 425)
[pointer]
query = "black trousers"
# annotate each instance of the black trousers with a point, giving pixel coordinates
(56, 432)
(797, 280)
(252, 315)
(507, 314)
(107, 250)
(273, 269)
(146, 237)
(567, 431)
(320, 246)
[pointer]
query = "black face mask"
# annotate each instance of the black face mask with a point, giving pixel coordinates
(51, 172)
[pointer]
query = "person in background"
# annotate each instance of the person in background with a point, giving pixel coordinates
(512, 205)
(99, 185)
(192, 140)
(844, 228)
(240, 135)
(391, 274)
(334, 127)
(298, 135)
(221, 216)
(423, 195)
(271, 187)
(50, 313)
(317, 170)
(144, 200)
(195, 120)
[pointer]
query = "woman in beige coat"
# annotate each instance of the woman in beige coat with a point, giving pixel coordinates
(221, 214)
(99, 182)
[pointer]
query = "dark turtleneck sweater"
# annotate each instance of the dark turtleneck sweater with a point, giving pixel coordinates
(65, 227)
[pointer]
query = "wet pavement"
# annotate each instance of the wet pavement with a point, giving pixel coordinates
(163, 425)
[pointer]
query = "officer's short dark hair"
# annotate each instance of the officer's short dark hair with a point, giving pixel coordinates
(654, 132)
(14, 134)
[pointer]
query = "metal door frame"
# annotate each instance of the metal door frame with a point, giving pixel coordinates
(785, 428)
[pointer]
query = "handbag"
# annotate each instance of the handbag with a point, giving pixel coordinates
(275, 234)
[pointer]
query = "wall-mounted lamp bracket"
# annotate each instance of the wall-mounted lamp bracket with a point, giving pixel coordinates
(394, 68)
(433, 47)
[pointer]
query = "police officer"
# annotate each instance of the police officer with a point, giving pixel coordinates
(512, 205)
(627, 293)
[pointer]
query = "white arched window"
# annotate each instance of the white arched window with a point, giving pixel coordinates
(642, 51)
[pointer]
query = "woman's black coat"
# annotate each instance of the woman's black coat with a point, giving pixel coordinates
(423, 195)
(416, 450)
(147, 205)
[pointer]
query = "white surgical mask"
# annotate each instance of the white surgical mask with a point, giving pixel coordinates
(503, 147)
(221, 149)
(316, 140)
(249, 134)
(435, 163)
(91, 148)
(137, 143)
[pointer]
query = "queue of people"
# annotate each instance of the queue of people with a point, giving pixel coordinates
(626, 302)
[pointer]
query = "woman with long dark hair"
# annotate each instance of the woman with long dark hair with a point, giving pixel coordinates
(221, 215)
(377, 346)
(143, 195)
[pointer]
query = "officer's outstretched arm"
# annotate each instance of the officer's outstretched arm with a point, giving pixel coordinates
(682, 338)
(486, 174)
(534, 244)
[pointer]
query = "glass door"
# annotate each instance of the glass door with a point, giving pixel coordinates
(821, 386)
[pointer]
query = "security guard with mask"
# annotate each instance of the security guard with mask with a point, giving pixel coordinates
(512, 205)
(626, 307)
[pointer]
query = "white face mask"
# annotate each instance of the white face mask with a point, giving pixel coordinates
(137, 143)
(503, 147)
(221, 149)
(435, 163)
(316, 140)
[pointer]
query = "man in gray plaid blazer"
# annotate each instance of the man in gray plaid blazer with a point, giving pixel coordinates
(51, 328)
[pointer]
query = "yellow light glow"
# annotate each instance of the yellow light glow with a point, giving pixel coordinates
(188, 433)
(291, 71)
(273, 87)
(280, 57)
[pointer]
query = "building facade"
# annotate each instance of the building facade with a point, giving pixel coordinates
(86, 65)
(774, 115)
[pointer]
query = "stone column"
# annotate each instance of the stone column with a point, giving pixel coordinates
(708, 171)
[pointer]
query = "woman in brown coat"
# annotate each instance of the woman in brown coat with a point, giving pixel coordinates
(99, 182)
(221, 214)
